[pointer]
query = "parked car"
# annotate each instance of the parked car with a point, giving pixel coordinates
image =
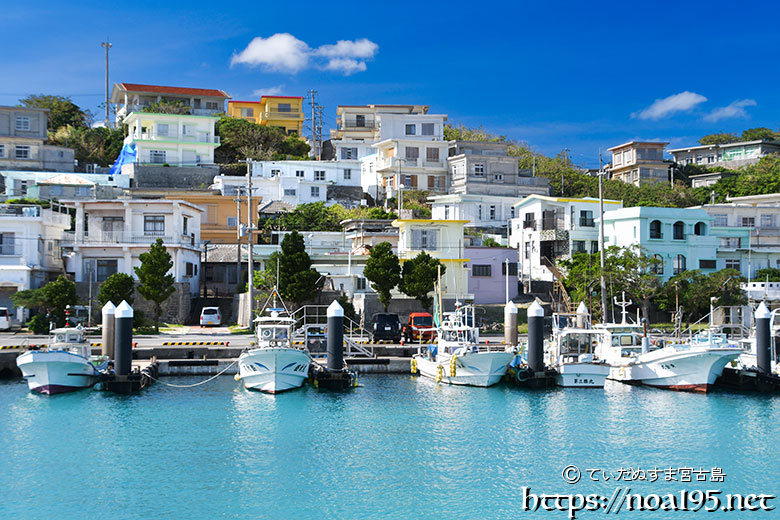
(386, 326)
(419, 327)
(210, 316)
(5, 319)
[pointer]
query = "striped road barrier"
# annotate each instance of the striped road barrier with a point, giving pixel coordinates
(199, 343)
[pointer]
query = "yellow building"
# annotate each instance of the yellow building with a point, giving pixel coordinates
(218, 222)
(285, 112)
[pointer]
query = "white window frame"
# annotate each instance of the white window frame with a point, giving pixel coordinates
(299, 174)
(289, 192)
(154, 225)
(2, 151)
(162, 129)
(232, 222)
(22, 148)
(22, 123)
(479, 170)
(156, 155)
(410, 129)
(427, 129)
(319, 175)
(315, 192)
(347, 174)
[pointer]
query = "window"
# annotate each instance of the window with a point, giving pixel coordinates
(748, 222)
(700, 229)
(706, 264)
(162, 129)
(105, 268)
(586, 218)
(299, 174)
(290, 192)
(189, 269)
(212, 105)
(6, 243)
(498, 177)
(424, 239)
(721, 220)
(479, 170)
(679, 264)
(247, 112)
(276, 173)
(2, 151)
(679, 230)
(479, 211)
(492, 212)
(360, 121)
(408, 181)
(315, 192)
(657, 267)
(185, 224)
(512, 212)
(22, 151)
(361, 284)
(154, 225)
(594, 246)
(446, 212)
(411, 129)
(512, 268)
(22, 123)
(578, 246)
(284, 107)
(187, 130)
(767, 221)
(432, 154)
(347, 174)
(733, 264)
(232, 222)
(319, 175)
(349, 153)
(481, 270)
(731, 243)
(412, 153)
(157, 156)
(427, 129)
(529, 222)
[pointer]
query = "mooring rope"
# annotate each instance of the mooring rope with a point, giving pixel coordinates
(196, 384)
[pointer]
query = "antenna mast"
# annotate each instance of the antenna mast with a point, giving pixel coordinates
(106, 45)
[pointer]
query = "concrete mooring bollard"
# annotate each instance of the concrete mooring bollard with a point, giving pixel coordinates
(123, 339)
(108, 330)
(536, 337)
(763, 339)
(510, 324)
(335, 336)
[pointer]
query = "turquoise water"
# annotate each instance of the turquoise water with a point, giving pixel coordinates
(398, 447)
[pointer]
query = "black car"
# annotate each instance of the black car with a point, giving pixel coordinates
(386, 326)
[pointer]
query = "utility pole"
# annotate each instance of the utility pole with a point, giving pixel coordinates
(318, 133)
(602, 280)
(238, 235)
(106, 45)
(250, 256)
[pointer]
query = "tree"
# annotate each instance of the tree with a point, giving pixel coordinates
(62, 111)
(769, 274)
(50, 300)
(117, 287)
(241, 139)
(168, 107)
(154, 282)
(719, 138)
(693, 290)
(418, 276)
(383, 271)
(99, 146)
(760, 133)
(298, 282)
(293, 147)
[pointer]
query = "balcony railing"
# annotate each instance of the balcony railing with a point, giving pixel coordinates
(16, 210)
(275, 114)
(552, 223)
(173, 136)
(529, 224)
(656, 235)
(587, 222)
(354, 125)
(120, 237)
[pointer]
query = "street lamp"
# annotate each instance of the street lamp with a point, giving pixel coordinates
(400, 199)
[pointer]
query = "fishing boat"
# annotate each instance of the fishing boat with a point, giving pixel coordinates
(457, 357)
(65, 365)
(274, 364)
(690, 366)
(572, 351)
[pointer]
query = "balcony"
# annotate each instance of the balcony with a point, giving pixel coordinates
(275, 114)
(120, 237)
(587, 222)
(529, 224)
(173, 136)
(16, 211)
(354, 125)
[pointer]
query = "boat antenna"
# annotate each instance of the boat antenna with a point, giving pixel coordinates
(623, 304)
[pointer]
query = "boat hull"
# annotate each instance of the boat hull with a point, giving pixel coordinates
(274, 369)
(472, 369)
(582, 375)
(690, 370)
(56, 372)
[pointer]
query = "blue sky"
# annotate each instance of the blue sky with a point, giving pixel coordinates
(576, 75)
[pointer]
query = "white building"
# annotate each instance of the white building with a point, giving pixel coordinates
(549, 228)
(299, 182)
(111, 235)
(172, 139)
(729, 155)
(489, 212)
(30, 252)
(134, 97)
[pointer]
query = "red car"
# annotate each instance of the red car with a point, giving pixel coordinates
(419, 327)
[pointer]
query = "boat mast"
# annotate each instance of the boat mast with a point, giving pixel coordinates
(623, 304)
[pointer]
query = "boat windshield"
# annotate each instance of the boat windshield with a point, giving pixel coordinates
(626, 340)
(465, 335)
(578, 343)
(68, 337)
(278, 333)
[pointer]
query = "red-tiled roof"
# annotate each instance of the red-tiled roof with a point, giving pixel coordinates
(286, 97)
(136, 87)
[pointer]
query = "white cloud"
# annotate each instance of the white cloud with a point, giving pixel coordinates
(668, 106)
(283, 52)
(735, 109)
(268, 91)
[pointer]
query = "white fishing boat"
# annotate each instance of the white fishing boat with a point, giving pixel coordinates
(65, 365)
(274, 364)
(572, 351)
(457, 357)
(692, 366)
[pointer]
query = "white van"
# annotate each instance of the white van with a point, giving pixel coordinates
(210, 316)
(5, 319)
